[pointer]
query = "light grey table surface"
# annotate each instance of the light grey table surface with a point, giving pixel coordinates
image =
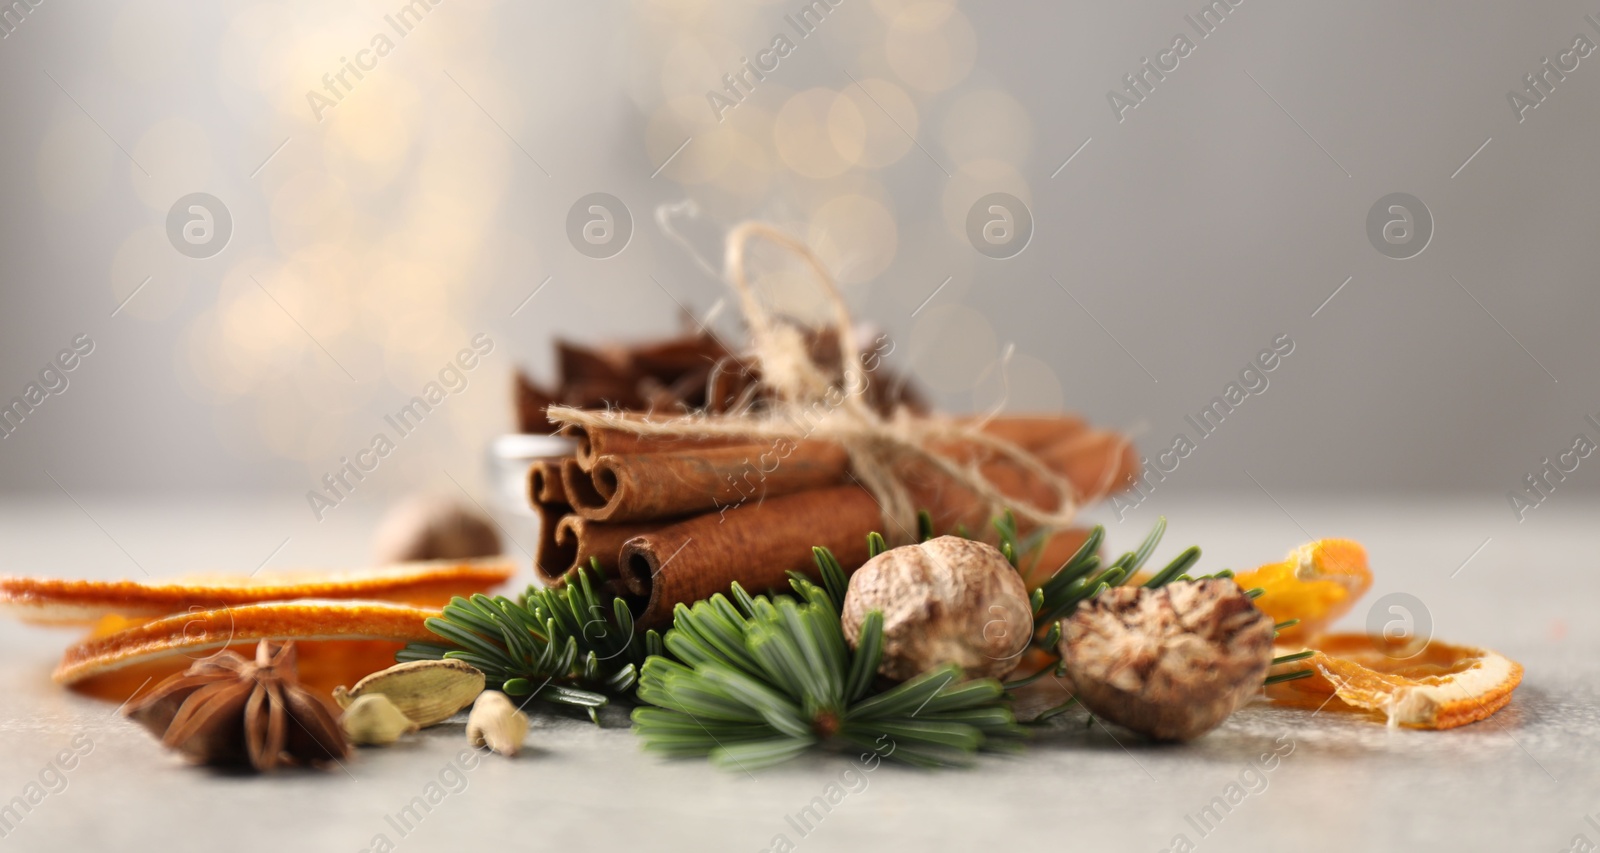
(1525, 780)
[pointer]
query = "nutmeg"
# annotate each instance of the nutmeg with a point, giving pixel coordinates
(1171, 663)
(947, 600)
(431, 528)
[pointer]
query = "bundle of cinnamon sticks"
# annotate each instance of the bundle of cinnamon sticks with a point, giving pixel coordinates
(677, 519)
(689, 372)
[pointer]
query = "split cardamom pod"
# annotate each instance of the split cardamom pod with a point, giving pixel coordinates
(373, 720)
(496, 723)
(428, 692)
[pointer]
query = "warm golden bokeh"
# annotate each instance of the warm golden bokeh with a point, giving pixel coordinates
(381, 226)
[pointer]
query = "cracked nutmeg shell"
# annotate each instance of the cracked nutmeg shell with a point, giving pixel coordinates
(430, 528)
(947, 600)
(1171, 663)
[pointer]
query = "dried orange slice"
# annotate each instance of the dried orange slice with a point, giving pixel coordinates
(60, 602)
(1430, 685)
(1316, 584)
(338, 641)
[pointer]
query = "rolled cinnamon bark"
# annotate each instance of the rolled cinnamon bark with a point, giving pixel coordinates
(1031, 432)
(1098, 462)
(1094, 462)
(547, 496)
(620, 476)
(756, 544)
(576, 540)
(544, 481)
(759, 543)
(594, 442)
(530, 403)
(640, 486)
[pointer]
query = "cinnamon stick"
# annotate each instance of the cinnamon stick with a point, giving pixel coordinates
(756, 544)
(691, 372)
(576, 540)
(1095, 462)
(594, 443)
(547, 496)
(1031, 432)
(544, 481)
(1098, 462)
(691, 537)
(622, 476)
(640, 486)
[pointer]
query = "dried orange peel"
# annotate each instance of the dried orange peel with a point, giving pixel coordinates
(1408, 683)
(55, 601)
(339, 642)
(1316, 584)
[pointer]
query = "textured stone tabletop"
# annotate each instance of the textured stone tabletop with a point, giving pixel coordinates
(1528, 779)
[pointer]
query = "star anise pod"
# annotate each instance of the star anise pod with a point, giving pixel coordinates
(226, 710)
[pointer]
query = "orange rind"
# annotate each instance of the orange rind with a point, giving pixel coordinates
(1415, 684)
(55, 601)
(1316, 584)
(338, 641)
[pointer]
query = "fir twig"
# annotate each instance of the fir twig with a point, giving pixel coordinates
(759, 680)
(574, 646)
(1080, 578)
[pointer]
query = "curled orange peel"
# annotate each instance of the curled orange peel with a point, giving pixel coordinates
(338, 641)
(1410, 683)
(57, 601)
(1316, 584)
(346, 624)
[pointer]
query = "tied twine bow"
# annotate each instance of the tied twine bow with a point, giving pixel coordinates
(811, 405)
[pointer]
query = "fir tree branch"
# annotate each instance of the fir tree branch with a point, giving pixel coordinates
(1080, 578)
(759, 680)
(753, 680)
(574, 646)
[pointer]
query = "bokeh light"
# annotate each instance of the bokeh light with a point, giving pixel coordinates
(819, 134)
(385, 219)
(931, 52)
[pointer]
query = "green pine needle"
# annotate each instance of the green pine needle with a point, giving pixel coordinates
(1288, 676)
(876, 544)
(760, 680)
(573, 647)
(755, 680)
(1080, 579)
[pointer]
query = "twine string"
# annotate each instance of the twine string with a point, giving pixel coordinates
(880, 448)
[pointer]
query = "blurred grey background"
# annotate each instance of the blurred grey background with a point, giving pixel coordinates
(426, 200)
